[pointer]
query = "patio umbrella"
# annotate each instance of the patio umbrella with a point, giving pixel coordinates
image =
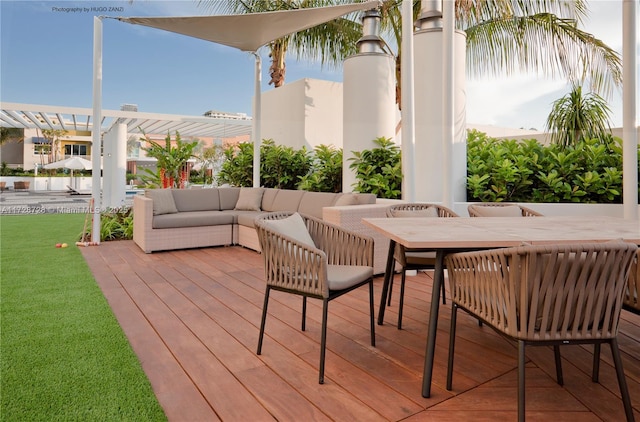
(71, 163)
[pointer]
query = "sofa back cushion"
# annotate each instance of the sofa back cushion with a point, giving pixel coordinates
(286, 200)
(313, 202)
(163, 202)
(228, 197)
(196, 199)
(249, 199)
(268, 198)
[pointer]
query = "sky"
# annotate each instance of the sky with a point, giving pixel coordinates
(46, 57)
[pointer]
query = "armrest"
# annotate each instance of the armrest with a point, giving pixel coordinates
(142, 213)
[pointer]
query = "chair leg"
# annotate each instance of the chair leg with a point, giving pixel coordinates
(521, 397)
(264, 318)
(401, 304)
(624, 390)
(556, 354)
(323, 339)
(393, 270)
(452, 345)
(444, 296)
(371, 314)
(304, 313)
(595, 374)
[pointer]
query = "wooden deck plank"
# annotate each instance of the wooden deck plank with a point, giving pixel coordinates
(193, 318)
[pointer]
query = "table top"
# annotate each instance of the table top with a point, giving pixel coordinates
(489, 232)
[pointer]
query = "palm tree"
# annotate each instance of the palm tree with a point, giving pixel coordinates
(576, 116)
(503, 37)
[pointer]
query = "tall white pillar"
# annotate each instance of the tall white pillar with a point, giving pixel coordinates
(430, 168)
(369, 109)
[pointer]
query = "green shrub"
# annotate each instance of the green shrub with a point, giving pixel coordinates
(378, 170)
(326, 171)
(116, 224)
(526, 171)
(282, 167)
(237, 169)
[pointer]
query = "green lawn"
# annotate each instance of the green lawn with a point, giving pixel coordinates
(63, 355)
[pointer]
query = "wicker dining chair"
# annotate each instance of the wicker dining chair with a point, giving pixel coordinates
(414, 259)
(306, 256)
(631, 300)
(544, 295)
(500, 209)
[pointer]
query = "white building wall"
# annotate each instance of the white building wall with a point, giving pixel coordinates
(306, 112)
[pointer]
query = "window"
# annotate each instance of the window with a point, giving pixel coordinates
(75, 149)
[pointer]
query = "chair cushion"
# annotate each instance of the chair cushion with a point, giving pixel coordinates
(340, 277)
(163, 202)
(249, 199)
(426, 212)
(293, 227)
(499, 211)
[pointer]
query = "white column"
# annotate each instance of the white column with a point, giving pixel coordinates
(108, 165)
(629, 109)
(448, 100)
(256, 133)
(369, 106)
(95, 134)
(430, 169)
(117, 176)
(408, 111)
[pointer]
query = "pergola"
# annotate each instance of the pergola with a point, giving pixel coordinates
(48, 117)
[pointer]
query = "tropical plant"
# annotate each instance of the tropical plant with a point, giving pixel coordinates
(11, 134)
(210, 158)
(116, 224)
(502, 36)
(575, 117)
(54, 136)
(171, 159)
(378, 170)
(326, 170)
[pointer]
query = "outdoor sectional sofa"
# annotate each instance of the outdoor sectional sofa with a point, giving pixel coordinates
(168, 219)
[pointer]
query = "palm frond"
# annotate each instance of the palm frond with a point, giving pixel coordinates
(545, 44)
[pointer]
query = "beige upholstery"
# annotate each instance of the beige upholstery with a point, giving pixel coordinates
(414, 259)
(545, 295)
(500, 209)
(340, 262)
(223, 216)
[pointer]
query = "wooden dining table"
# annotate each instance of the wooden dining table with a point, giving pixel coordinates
(447, 235)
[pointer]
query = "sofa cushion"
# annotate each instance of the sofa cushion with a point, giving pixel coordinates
(268, 198)
(163, 202)
(247, 218)
(249, 199)
(191, 219)
(293, 227)
(287, 200)
(196, 199)
(499, 211)
(228, 197)
(313, 202)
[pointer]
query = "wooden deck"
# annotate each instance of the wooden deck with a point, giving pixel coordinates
(193, 319)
